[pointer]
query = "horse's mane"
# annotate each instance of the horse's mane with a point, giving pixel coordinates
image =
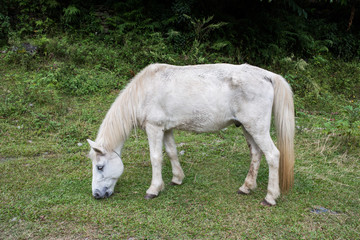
(122, 115)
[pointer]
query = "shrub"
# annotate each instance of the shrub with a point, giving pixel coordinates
(345, 126)
(76, 81)
(4, 29)
(20, 94)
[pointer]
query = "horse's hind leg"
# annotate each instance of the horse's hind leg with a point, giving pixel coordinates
(259, 130)
(170, 147)
(272, 155)
(256, 154)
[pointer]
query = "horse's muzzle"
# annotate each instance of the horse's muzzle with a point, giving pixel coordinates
(104, 193)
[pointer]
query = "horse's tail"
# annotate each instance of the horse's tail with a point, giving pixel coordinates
(283, 109)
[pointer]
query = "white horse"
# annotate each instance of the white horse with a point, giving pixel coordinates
(199, 98)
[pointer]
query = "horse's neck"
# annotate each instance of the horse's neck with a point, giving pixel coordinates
(116, 127)
(122, 116)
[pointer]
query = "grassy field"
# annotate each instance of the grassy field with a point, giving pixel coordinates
(62, 64)
(45, 182)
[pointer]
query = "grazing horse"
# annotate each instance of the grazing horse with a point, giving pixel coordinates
(198, 98)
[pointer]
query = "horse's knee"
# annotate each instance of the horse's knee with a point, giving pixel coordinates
(156, 159)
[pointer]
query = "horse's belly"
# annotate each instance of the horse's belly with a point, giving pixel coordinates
(200, 121)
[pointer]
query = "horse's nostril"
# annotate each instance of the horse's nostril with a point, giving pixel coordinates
(107, 194)
(97, 195)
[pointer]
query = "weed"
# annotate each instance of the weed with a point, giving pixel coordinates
(344, 126)
(20, 94)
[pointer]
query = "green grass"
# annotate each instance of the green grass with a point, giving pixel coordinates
(45, 185)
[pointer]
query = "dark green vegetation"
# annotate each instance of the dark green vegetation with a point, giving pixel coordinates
(55, 96)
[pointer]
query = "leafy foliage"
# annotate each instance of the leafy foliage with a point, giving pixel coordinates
(86, 48)
(286, 30)
(4, 28)
(345, 128)
(71, 14)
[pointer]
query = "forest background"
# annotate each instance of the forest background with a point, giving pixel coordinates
(62, 63)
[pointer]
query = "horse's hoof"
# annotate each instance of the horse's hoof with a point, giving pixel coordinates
(242, 193)
(266, 203)
(150, 196)
(174, 184)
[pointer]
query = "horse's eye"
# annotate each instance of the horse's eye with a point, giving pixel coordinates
(100, 167)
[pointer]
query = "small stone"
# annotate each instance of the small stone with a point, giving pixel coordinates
(182, 152)
(79, 144)
(319, 210)
(13, 219)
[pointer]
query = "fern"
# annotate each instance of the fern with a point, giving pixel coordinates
(202, 27)
(71, 13)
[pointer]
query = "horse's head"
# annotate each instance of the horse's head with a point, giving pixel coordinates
(107, 168)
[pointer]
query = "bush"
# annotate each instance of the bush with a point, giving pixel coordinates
(20, 95)
(344, 127)
(74, 81)
(4, 29)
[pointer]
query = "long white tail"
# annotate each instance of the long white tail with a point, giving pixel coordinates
(283, 109)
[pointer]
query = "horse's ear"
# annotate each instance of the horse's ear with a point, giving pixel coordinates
(98, 149)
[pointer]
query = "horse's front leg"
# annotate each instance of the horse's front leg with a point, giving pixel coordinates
(155, 137)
